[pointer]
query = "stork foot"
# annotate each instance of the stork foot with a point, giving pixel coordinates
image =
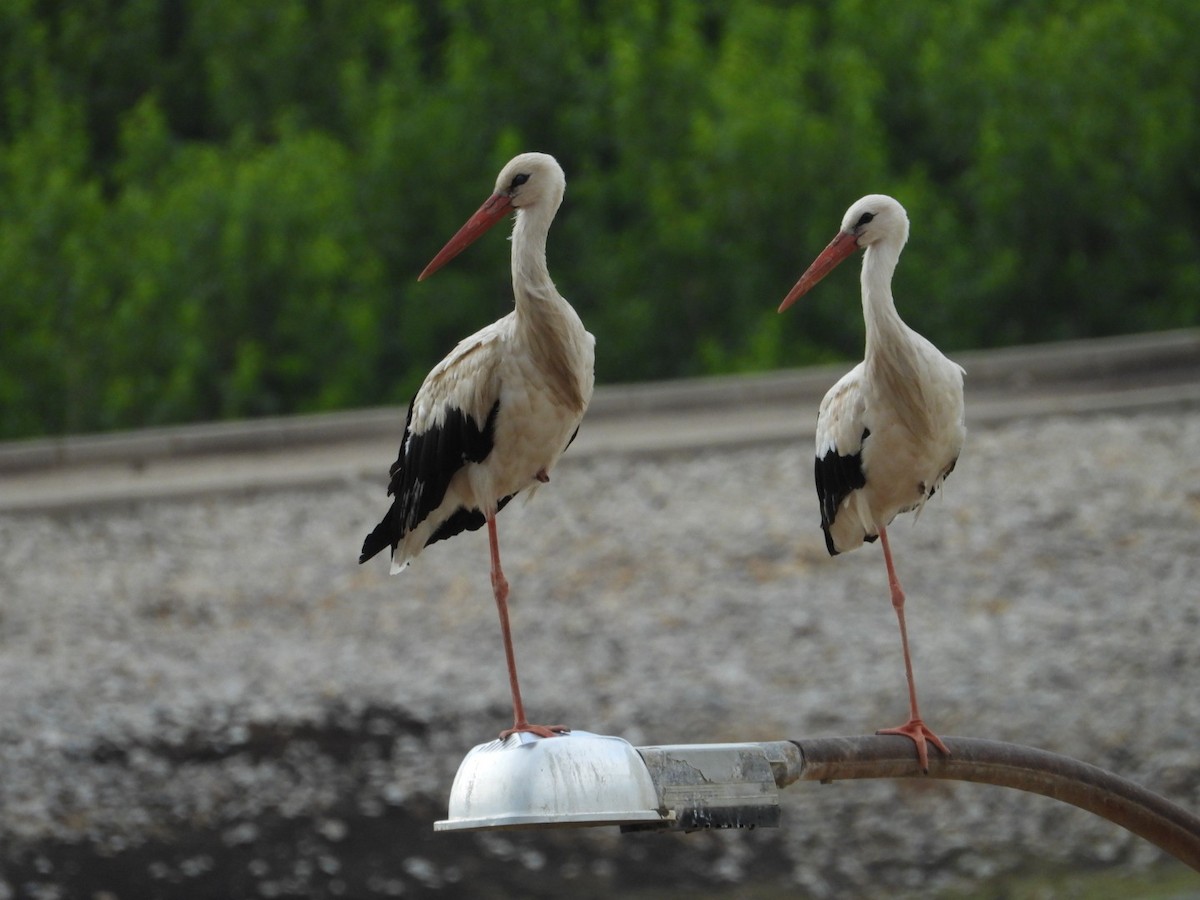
(918, 732)
(546, 731)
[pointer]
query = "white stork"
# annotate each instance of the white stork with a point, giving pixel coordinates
(890, 431)
(494, 416)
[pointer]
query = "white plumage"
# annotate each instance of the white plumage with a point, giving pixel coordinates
(493, 417)
(891, 429)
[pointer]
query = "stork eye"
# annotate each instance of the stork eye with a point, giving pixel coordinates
(864, 219)
(517, 181)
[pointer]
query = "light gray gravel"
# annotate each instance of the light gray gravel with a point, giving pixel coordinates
(1053, 601)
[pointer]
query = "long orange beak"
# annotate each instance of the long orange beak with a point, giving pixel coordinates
(485, 217)
(839, 248)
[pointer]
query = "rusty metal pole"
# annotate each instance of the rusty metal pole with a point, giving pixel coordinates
(1096, 790)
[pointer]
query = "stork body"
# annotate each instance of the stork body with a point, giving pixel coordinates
(891, 429)
(493, 417)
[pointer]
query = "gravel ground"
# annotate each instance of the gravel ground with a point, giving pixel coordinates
(210, 698)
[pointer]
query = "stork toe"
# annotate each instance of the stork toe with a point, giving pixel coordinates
(921, 735)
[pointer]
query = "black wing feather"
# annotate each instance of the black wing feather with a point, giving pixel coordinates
(462, 520)
(422, 473)
(836, 478)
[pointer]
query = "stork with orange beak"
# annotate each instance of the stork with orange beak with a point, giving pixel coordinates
(493, 417)
(891, 430)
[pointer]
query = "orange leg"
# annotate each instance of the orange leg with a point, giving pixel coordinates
(914, 728)
(500, 589)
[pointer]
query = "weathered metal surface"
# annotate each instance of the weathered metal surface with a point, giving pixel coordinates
(576, 779)
(1088, 787)
(714, 785)
(593, 780)
(587, 779)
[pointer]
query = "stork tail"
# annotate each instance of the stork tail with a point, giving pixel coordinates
(386, 534)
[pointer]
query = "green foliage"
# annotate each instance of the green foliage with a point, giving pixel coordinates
(218, 209)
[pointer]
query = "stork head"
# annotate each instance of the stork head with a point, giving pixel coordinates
(876, 218)
(530, 181)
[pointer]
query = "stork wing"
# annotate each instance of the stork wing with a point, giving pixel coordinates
(840, 434)
(450, 423)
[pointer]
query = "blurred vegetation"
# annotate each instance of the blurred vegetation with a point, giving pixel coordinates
(218, 208)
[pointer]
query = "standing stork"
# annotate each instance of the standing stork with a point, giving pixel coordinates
(890, 431)
(494, 416)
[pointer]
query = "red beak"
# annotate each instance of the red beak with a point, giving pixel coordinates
(485, 217)
(839, 248)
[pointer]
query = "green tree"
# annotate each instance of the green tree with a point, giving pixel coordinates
(219, 208)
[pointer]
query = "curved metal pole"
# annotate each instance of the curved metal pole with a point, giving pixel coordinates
(1117, 799)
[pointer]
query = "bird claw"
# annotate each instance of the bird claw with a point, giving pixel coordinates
(919, 733)
(545, 731)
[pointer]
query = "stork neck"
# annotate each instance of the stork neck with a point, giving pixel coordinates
(883, 323)
(530, 275)
(547, 325)
(891, 350)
